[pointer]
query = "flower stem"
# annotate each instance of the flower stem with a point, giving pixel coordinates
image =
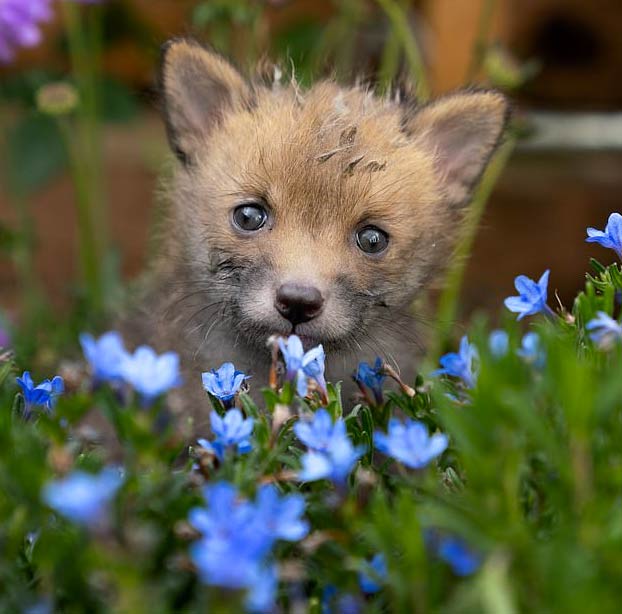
(448, 302)
(85, 147)
(398, 19)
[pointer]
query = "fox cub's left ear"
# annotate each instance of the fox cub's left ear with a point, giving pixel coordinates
(198, 87)
(461, 131)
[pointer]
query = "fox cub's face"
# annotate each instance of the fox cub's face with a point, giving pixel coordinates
(316, 211)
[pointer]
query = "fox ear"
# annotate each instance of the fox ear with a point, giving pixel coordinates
(197, 88)
(461, 131)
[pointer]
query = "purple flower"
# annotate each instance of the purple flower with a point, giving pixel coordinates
(301, 365)
(410, 443)
(83, 497)
(19, 25)
(531, 297)
(44, 394)
(498, 343)
(332, 455)
(460, 364)
(149, 374)
(604, 331)
(105, 355)
(531, 350)
(611, 237)
(372, 377)
(463, 560)
(224, 382)
(232, 431)
(371, 582)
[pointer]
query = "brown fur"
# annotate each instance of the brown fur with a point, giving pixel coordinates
(326, 161)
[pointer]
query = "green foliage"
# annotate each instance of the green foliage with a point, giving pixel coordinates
(531, 481)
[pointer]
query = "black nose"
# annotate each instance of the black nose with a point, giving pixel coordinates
(298, 303)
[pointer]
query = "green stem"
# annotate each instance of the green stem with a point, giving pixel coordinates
(399, 23)
(448, 303)
(86, 148)
(481, 39)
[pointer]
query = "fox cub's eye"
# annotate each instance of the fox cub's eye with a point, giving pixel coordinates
(372, 240)
(250, 217)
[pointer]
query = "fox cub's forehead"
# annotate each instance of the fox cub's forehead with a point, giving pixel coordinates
(329, 149)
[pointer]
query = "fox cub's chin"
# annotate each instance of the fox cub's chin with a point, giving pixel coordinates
(325, 211)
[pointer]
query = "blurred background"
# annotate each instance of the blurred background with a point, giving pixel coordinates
(83, 148)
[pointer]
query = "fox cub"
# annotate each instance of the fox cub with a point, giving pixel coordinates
(322, 212)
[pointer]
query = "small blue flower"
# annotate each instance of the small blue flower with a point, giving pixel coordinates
(372, 377)
(223, 383)
(105, 355)
(463, 560)
(410, 443)
(460, 364)
(149, 374)
(499, 343)
(371, 583)
(332, 455)
(83, 497)
(611, 238)
(44, 394)
(301, 365)
(531, 297)
(232, 431)
(531, 350)
(605, 332)
(281, 516)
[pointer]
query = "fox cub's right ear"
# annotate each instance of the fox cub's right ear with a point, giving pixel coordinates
(197, 88)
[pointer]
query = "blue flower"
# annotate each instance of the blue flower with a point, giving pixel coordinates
(410, 443)
(301, 366)
(612, 235)
(149, 374)
(334, 603)
(332, 455)
(463, 560)
(460, 364)
(281, 517)
(370, 583)
(83, 497)
(499, 343)
(223, 383)
(372, 377)
(105, 355)
(531, 297)
(44, 394)
(232, 431)
(604, 330)
(531, 350)
(238, 536)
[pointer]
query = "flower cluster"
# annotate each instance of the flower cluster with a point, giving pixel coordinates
(331, 454)
(237, 537)
(148, 373)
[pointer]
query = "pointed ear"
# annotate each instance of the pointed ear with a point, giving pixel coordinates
(197, 87)
(461, 131)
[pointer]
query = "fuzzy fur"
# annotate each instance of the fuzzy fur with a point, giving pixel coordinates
(326, 162)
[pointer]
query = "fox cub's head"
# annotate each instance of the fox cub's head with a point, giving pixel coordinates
(316, 211)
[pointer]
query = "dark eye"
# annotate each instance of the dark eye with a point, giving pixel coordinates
(372, 240)
(250, 217)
